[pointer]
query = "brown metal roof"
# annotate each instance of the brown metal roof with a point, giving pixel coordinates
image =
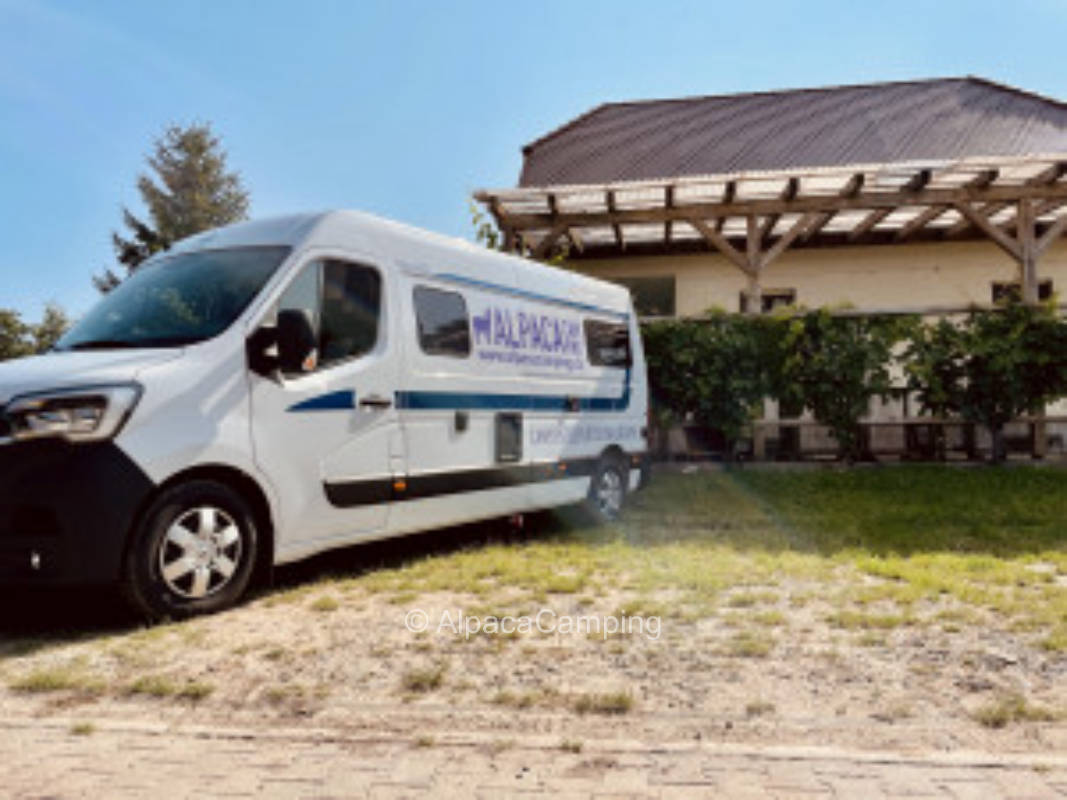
(942, 119)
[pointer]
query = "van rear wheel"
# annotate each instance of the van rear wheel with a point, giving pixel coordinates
(607, 490)
(193, 553)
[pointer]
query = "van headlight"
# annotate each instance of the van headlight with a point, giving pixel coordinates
(83, 414)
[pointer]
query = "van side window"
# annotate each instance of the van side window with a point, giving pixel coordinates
(342, 302)
(444, 326)
(608, 343)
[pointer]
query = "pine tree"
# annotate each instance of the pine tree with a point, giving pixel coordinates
(52, 326)
(188, 190)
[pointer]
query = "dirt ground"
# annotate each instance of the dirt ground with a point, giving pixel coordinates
(357, 666)
(723, 647)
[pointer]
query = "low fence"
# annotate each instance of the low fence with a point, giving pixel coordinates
(911, 439)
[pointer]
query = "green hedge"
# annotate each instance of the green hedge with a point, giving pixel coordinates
(988, 367)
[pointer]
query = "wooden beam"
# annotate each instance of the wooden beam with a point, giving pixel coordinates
(718, 242)
(510, 239)
(801, 205)
(1050, 174)
(668, 202)
(572, 237)
(729, 194)
(544, 247)
(1026, 241)
(868, 222)
(965, 224)
(1045, 206)
(1051, 234)
(792, 186)
(1044, 178)
(914, 184)
(850, 189)
(755, 265)
(790, 236)
(920, 221)
(980, 220)
(610, 199)
(917, 181)
(820, 222)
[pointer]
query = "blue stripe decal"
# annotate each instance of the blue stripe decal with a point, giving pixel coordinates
(463, 401)
(334, 401)
(544, 298)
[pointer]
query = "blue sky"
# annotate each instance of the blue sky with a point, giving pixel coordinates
(403, 108)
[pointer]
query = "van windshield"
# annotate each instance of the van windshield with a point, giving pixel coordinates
(176, 300)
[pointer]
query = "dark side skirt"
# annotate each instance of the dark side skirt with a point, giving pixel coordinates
(417, 487)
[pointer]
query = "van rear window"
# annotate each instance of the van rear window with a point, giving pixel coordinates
(608, 343)
(443, 322)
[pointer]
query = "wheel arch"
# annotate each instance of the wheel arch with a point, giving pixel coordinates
(613, 453)
(241, 482)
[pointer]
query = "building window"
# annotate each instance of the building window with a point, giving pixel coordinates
(771, 299)
(1005, 290)
(607, 343)
(653, 297)
(443, 323)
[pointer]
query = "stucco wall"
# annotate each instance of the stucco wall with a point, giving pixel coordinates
(888, 276)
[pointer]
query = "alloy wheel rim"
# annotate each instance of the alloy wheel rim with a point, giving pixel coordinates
(609, 493)
(200, 552)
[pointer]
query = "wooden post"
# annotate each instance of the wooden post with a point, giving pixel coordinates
(754, 293)
(1027, 237)
(1028, 255)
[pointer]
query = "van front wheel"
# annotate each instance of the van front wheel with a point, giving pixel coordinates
(607, 490)
(193, 553)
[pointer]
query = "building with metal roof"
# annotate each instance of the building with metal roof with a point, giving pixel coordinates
(917, 195)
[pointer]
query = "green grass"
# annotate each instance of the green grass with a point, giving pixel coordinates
(1009, 708)
(325, 604)
(423, 680)
(67, 678)
(868, 550)
(160, 686)
(610, 703)
(890, 539)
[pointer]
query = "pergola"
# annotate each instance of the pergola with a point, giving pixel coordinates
(751, 218)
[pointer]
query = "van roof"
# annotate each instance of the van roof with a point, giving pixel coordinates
(421, 248)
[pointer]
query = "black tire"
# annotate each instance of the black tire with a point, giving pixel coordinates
(607, 490)
(192, 529)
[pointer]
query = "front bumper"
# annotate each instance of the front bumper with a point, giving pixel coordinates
(66, 511)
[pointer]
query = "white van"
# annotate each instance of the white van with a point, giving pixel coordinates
(273, 389)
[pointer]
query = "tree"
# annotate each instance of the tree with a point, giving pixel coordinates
(487, 234)
(1015, 362)
(835, 365)
(19, 338)
(52, 326)
(14, 335)
(714, 370)
(188, 190)
(934, 364)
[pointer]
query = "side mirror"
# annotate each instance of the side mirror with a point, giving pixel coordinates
(288, 346)
(296, 341)
(261, 353)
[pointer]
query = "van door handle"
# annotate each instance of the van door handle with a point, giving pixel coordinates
(375, 401)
